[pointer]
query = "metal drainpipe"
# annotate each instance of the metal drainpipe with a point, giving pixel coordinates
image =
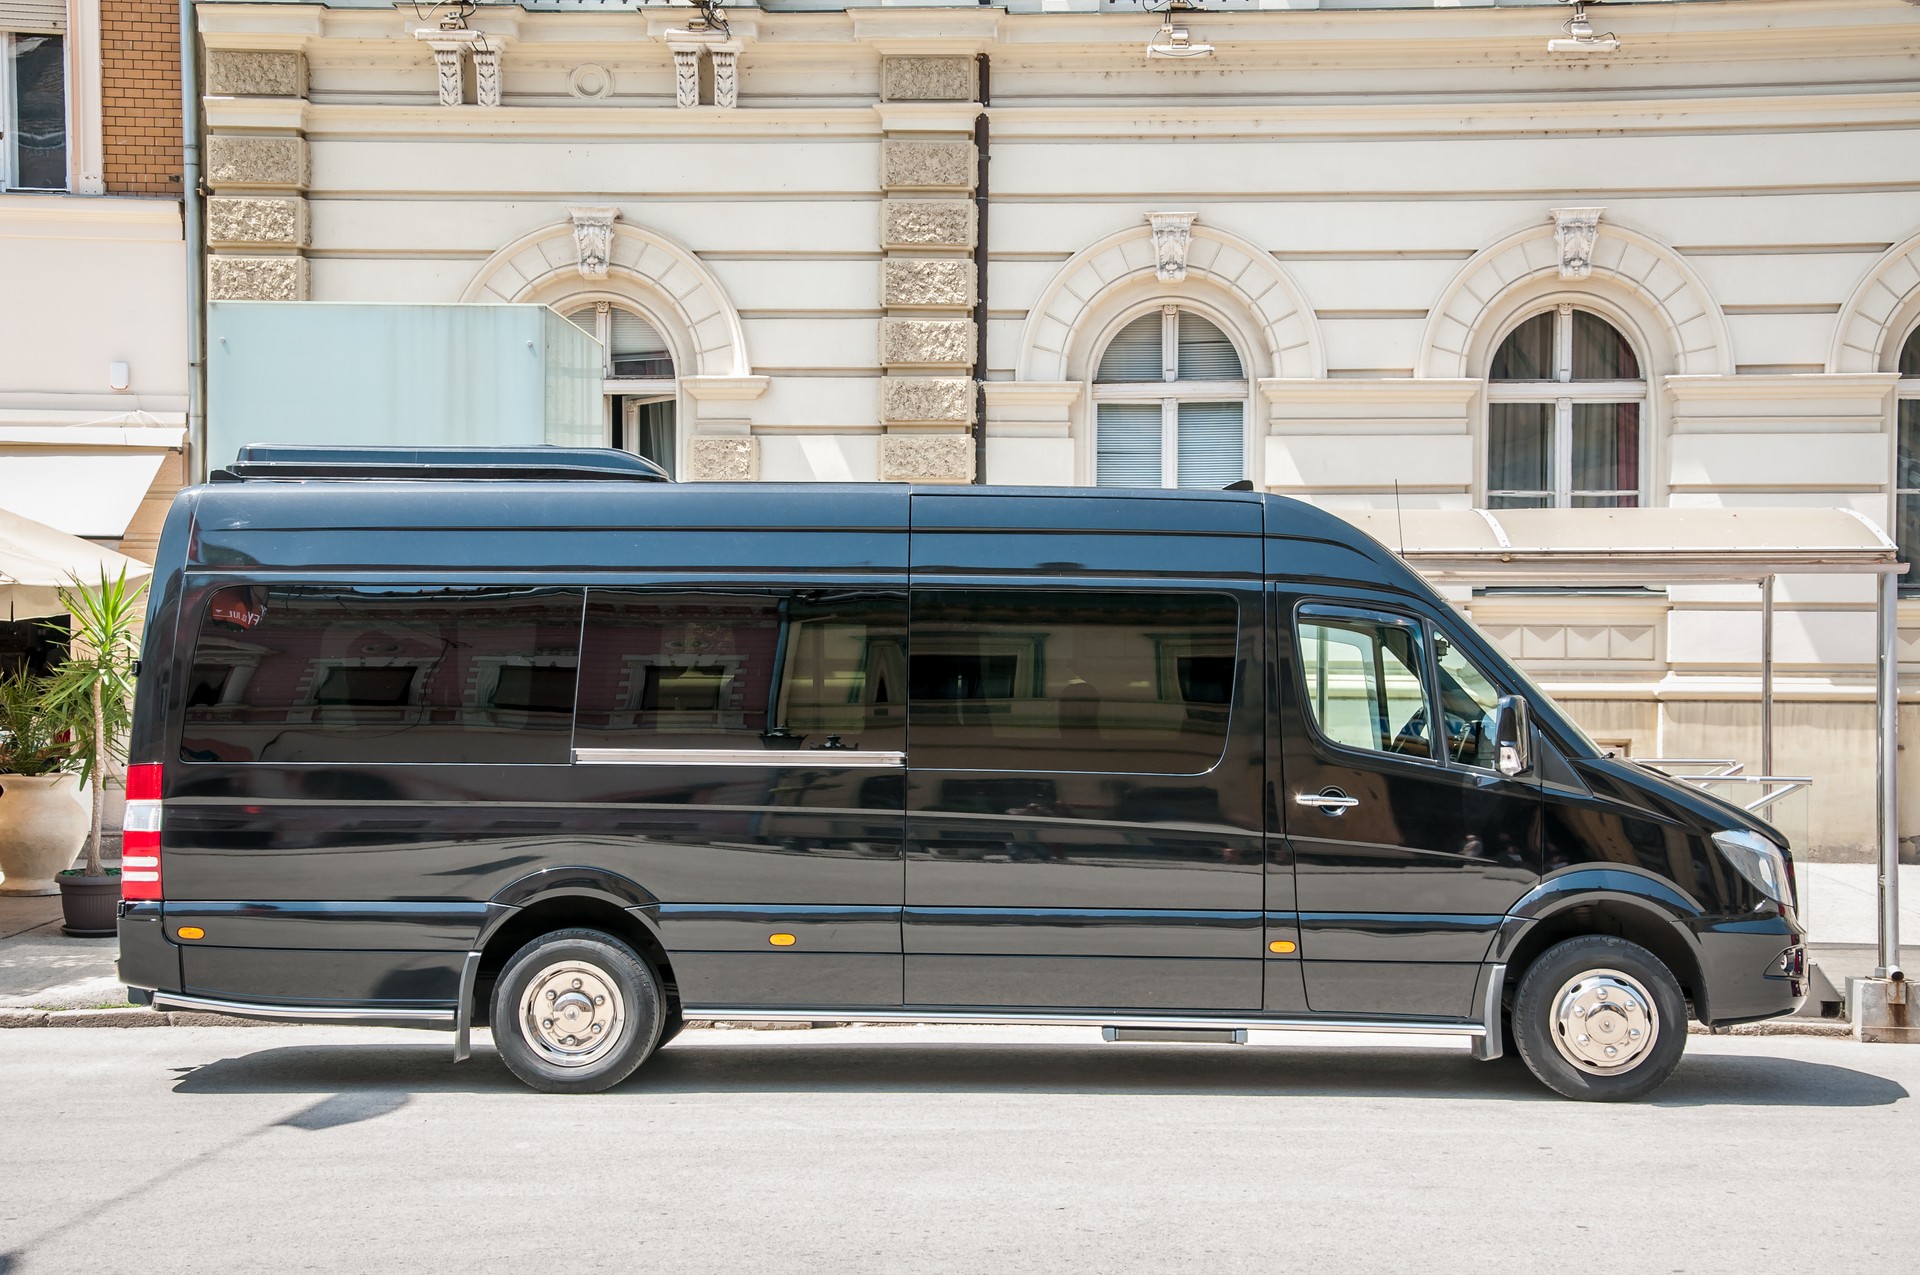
(196, 244)
(980, 142)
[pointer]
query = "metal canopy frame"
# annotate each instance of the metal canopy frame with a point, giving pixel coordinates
(1508, 562)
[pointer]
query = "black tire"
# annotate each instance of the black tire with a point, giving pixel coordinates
(1646, 1001)
(579, 965)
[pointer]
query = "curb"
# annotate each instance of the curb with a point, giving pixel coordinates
(133, 1016)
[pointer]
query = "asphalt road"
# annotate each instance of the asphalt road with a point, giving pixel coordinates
(292, 1149)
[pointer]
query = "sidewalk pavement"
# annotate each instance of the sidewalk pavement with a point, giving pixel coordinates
(41, 968)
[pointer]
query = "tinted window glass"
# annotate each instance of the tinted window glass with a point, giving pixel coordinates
(809, 669)
(1468, 699)
(373, 675)
(1117, 682)
(1365, 683)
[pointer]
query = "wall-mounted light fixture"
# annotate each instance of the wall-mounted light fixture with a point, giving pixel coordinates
(1580, 37)
(1173, 40)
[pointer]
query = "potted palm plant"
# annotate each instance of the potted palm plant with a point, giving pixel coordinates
(42, 821)
(90, 693)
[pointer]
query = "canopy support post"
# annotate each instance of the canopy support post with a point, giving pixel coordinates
(1766, 675)
(1887, 741)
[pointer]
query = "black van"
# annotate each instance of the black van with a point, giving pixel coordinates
(582, 755)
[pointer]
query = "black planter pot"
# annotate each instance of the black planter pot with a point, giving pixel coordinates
(90, 904)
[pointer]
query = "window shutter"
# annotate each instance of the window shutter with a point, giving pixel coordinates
(1205, 352)
(1134, 354)
(1127, 443)
(1212, 445)
(581, 318)
(33, 15)
(638, 348)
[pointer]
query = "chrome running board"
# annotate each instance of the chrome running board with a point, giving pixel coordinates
(1191, 1022)
(363, 1015)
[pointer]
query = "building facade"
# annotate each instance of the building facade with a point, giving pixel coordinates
(1390, 253)
(93, 350)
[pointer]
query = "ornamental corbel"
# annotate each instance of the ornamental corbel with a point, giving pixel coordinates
(1172, 237)
(593, 239)
(450, 45)
(1576, 229)
(687, 44)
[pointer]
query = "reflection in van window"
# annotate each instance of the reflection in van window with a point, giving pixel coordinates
(1361, 683)
(789, 669)
(376, 674)
(1121, 682)
(1468, 702)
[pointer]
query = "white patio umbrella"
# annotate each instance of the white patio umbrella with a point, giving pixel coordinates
(36, 562)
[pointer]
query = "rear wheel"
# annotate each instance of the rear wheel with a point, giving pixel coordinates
(1600, 1019)
(576, 1011)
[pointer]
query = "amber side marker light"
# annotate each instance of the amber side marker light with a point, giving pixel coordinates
(1281, 946)
(781, 940)
(191, 932)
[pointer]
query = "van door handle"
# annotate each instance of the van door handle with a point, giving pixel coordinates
(1330, 802)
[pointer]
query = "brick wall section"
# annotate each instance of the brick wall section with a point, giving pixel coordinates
(140, 88)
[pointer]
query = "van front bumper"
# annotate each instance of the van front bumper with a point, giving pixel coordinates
(1751, 967)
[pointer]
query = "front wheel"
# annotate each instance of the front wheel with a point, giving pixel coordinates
(1600, 1019)
(576, 1011)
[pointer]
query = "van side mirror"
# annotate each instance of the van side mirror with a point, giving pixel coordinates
(1513, 735)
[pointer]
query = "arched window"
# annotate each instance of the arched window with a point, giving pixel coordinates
(1566, 404)
(1906, 513)
(638, 379)
(1170, 405)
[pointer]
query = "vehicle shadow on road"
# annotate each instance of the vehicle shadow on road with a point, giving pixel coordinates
(1023, 1068)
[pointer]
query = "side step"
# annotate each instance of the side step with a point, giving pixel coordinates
(1178, 1035)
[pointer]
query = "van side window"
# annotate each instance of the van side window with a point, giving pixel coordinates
(378, 674)
(1138, 683)
(1365, 681)
(786, 669)
(1468, 700)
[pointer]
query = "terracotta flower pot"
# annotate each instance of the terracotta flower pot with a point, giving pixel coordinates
(91, 904)
(42, 827)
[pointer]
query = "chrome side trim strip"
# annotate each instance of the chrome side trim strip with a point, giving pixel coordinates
(785, 759)
(1491, 1043)
(1244, 1022)
(305, 1013)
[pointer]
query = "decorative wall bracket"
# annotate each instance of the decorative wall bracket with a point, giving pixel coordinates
(593, 239)
(1172, 237)
(449, 45)
(686, 45)
(1576, 229)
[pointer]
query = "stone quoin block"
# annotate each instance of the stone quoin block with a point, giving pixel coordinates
(917, 341)
(926, 223)
(914, 399)
(939, 458)
(257, 279)
(907, 282)
(927, 165)
(243, 73)
(257, 161)
(255, 219)
(944, 78)
(723, 460)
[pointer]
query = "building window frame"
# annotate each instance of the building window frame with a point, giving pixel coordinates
(10, 112)
(1563, 393)
(632, 392)
(1906, 416)
(1169, 392)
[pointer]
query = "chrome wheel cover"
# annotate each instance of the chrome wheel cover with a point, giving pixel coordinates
(1604, 1022)
(572, 1014)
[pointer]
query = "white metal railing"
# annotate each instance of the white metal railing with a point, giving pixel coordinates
(1708, 773)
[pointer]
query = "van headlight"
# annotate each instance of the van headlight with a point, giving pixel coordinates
(1759, 861)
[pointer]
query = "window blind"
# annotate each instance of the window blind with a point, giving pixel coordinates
(1212, 444)
(1127, 444)
(1134, 354)
(1205, 352)
(33, 15)
(637, 348)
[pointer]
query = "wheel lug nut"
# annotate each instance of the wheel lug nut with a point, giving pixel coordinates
(1602, 993)
(576, 984)
(552, 996)
(547, 1023)
(596, 1029)
(599, 1000)
(1585, 1040)
(1579, 1012)
(1635, 1032)
(1611, 1051)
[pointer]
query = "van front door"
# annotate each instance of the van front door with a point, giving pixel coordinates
(1409, 846)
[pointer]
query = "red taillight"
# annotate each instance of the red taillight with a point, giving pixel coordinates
(140, 835)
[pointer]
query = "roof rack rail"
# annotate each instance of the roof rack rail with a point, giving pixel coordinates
(439, 464)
